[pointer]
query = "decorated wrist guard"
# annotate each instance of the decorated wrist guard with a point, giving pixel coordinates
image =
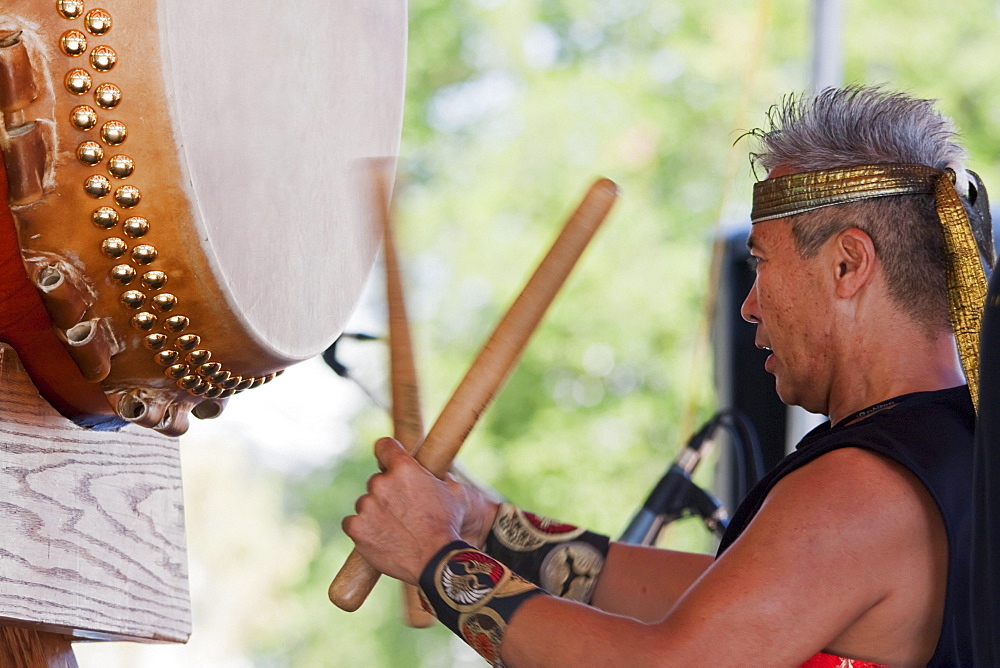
(474, 595)
(562, 559)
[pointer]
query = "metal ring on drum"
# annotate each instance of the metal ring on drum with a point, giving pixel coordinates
(189, 190)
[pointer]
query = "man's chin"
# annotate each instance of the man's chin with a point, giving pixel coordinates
(785, 393)
(791, 397)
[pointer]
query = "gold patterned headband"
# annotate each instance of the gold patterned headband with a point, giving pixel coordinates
(797, 193)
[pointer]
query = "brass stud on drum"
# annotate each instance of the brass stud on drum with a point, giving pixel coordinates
(209, 369)
(199, 376)
(114, 133)
(83, 117)
(154, 341)
(164, 302)
(97, 21)
(114, 247)
(78, 81)
(103, 58)
(177, 323)
(90, 153)
(177, 371)
(133, 299)
(123, 273)
(143, 254)
(220, 376)
(187, 342)
(127, 196)
(105, 217)
(154, 280)
(188, 382)
(73, 43)
(107, 95)
(167, 357)
(70, 9)
(144, 322)
(97, 186)
(136, 226)
(121, 166)
(197, 357)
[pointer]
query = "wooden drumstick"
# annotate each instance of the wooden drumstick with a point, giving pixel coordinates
(493, 364)
(407, 418)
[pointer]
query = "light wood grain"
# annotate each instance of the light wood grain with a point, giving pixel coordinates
(92, 523)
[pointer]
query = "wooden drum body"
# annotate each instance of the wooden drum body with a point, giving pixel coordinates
(188, 184)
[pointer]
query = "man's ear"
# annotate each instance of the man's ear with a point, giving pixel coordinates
(853, 259)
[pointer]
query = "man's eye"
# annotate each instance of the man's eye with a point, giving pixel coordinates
(753, 262)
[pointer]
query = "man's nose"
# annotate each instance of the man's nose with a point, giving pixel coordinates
(751, 309)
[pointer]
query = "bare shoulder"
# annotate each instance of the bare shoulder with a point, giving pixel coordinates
(846, 554)
(879, 539)
(866, 504)
(854, 486)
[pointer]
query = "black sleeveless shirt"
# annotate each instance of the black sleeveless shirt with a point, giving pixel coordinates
(931, 434)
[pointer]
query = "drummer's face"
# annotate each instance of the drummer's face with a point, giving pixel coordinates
(789, 306)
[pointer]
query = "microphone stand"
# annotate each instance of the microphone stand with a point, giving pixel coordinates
(676, 496)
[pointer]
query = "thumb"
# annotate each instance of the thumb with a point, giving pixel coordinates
(386, 451)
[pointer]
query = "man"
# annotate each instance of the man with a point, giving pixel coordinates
(857, 545)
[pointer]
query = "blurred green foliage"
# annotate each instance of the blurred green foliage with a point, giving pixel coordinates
(512, 108)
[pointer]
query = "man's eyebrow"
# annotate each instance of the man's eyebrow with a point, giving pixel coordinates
(750, 243)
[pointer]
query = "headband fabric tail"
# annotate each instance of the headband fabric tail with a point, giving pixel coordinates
(966, 279)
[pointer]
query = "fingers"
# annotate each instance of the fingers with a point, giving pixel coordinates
(382, 488)
(370, 514)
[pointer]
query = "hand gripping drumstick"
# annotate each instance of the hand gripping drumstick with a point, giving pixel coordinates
(491, 367)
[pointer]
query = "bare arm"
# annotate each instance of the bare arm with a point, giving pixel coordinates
(624, 586)
(645, 582)
(837, 558)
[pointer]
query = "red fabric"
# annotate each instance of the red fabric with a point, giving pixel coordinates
(822, 660)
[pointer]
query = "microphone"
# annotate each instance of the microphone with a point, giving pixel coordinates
(676, 494)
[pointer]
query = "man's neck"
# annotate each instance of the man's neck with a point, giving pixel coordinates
(897, 363)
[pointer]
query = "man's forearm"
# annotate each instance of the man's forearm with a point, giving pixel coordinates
(645, 582)
(640, 582)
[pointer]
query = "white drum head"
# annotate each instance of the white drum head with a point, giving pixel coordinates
(274, 118)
